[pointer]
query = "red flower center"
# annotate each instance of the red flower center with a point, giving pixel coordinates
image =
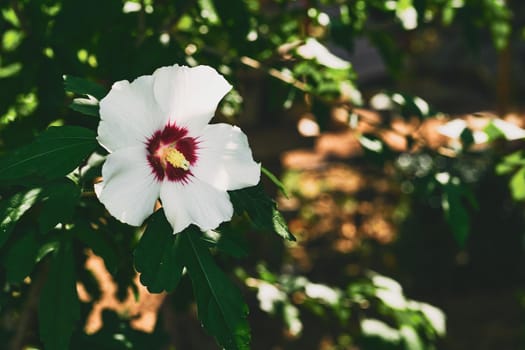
(171, 153)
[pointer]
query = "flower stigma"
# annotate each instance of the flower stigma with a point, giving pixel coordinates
(172, 153)
(176, 159)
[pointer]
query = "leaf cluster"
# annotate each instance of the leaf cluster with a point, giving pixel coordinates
(50, 215)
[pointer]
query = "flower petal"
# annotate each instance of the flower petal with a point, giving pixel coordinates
(129, 114)
(189, 96)
(194, 202)
(224, 158)
(129, 190)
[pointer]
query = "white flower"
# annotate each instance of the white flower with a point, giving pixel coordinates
(161, 146)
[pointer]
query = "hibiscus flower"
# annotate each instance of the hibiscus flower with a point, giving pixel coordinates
(161, 146)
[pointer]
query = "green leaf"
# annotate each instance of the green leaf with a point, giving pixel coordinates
(492, 132)
(292, 318)
(208, 7)
(221, 308)
(505, 168)
(280, 226)
(97, 241)
(448, 14)
(50, 245)
(261, 209)
(379, 335)
(55, 153)
(85, 106)
(517, 184)
(227, 240)
(467, 138)
(21, 257)
(59, 308)
(59, 200)
(455, 210)
(409, 106)
(158, 255)
(375, 149)
(275, 180)
(510, 162)
(84, 87)
(411, 339)
(12, 209)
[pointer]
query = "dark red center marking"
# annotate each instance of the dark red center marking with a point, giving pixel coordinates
(174, 137)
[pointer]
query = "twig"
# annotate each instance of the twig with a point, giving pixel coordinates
(253, 63)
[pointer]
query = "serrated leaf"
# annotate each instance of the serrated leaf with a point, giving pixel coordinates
(158, 255)
(59, 200)
(59, 307)
(12, 209)
(84, 87)
(96, 241)
(280, 226)
(55, 153)
(86, 106)
(21, 257)
(221, 308)
(261, 209)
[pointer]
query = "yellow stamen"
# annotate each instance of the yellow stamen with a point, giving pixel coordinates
(177, 159)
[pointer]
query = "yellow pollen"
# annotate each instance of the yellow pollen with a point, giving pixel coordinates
(177, 159)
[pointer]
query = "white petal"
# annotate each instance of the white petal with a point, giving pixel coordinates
(225, 159)
(129, 189)
(194, 203)
(129, 114)
(510, 131)
(189, 96)
(453, 129)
